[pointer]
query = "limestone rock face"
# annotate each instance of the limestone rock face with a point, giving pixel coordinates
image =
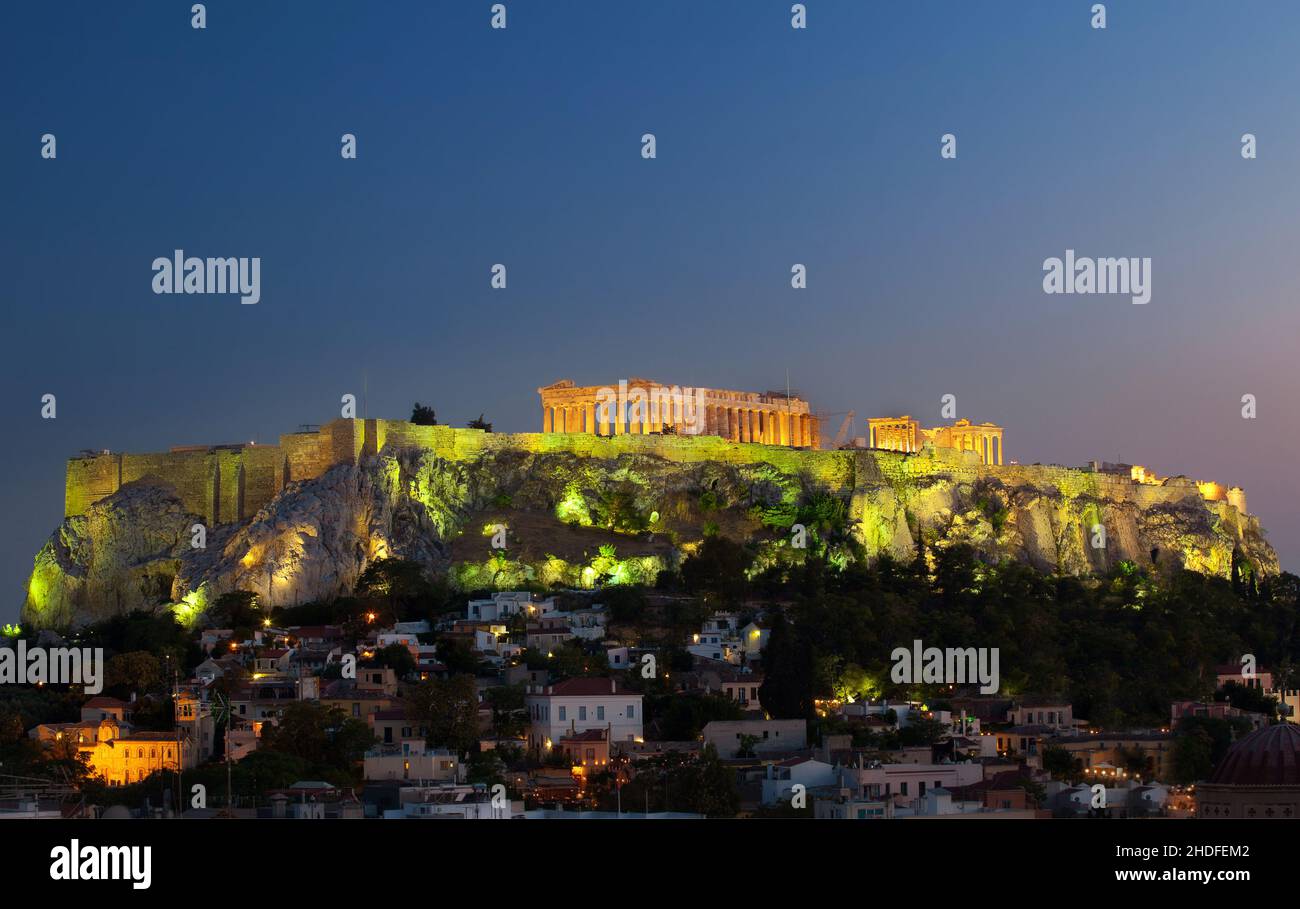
(119, 556)
(314, 539)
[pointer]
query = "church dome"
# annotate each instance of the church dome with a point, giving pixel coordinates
(1267, 757)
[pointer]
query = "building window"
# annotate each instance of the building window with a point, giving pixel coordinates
(600, 712)
(563, 714)
(582, 713)
(631, 711)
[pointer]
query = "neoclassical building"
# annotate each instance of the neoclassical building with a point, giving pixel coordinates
(641, 406)
(906, 434)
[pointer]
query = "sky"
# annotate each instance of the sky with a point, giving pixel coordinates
(775, 146)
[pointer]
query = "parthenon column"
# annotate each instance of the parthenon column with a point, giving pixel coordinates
(733, 428)
(546, 419)
(591, 418)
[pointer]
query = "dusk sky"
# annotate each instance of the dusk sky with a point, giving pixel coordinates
(775, 146)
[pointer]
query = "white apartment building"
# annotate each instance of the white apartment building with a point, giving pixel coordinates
(578, 705)
(501, 606)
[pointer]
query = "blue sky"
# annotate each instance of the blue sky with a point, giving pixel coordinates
(775, 146)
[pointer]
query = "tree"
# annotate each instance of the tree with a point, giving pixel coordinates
(681, 717)
(138, 672)
(457, 656)
(238, 609)
(1191, 758)
(704, 786)
(319, 736)
(718, 568)
(508, 710)
(448, 709)
(423, 416)
(396, 657)
(1247, 698)
(480, 423)
(1059, 763)
(787, 689)
(400, 583)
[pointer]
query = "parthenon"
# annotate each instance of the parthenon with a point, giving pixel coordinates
(906, 434)
(642, 406)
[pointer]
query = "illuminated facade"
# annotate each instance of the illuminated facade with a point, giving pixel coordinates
(113, 751)
(906, 434)
(642, 406)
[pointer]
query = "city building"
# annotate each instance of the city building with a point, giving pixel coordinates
(579, 705)
(642, 406)
(1258, 778)
(907, 435)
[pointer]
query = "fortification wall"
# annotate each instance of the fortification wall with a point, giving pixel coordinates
(263, 466)
(190, 472)
(232, 484)
(90, 479)
(303, 457)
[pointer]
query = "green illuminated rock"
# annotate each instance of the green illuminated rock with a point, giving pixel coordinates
(582, 511)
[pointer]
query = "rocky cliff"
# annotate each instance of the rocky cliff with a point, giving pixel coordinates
(610, 510)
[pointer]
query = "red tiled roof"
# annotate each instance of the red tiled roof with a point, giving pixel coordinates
(587, 687)
(101, 701)
(591, 735)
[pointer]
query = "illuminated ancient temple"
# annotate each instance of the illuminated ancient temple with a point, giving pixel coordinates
(906, 434)
(643, 406)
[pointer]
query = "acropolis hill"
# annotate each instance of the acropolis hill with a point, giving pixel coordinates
(299, 521)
